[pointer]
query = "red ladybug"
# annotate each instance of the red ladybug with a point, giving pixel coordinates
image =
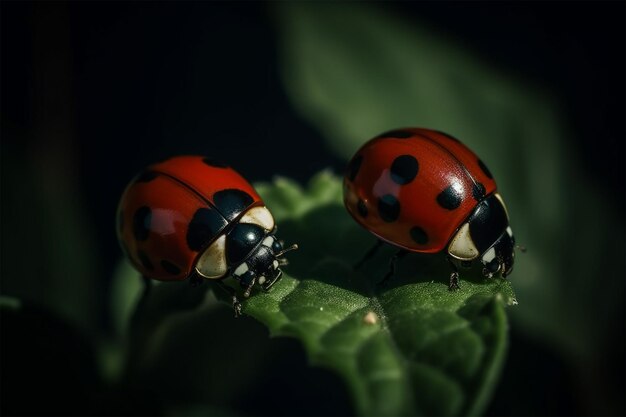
(191, 216)
(424, 191)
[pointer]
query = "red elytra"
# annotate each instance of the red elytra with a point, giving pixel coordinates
(414, 187)
(158, 206)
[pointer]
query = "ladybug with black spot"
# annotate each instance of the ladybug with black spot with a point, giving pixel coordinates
(194, 217)
(424, 191)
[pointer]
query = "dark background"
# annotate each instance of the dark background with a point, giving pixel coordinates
(92, 92)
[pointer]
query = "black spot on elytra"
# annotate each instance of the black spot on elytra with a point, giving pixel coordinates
(141, 223)
(404, 169)
(478, 191)
(418, 235)
(388, 208)
(231, 202)
(204, 227)
(482, 166)
(169, 267)
(449, 198)
(354, 166)
(215, 163)
(361, 208)
(145, 261)
(146, 176)
(396, 134)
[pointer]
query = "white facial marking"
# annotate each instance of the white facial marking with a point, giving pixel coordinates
(275, 263)
(509, 231)
(212, 262)
(489, 256)
(261, 279)
(462, 247)
(241, 269)
(260, 216)
(268, 241)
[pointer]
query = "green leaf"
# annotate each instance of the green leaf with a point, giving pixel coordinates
(412, 347)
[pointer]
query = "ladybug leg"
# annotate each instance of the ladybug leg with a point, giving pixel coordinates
(369, 254)
(235, 301)
(392, 265)
(454, 277)
(249, 287)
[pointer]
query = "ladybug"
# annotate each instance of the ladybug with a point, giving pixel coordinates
(424, 191)
(197, 218)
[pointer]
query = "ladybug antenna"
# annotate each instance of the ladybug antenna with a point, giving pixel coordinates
(521, 248)
(284, 251)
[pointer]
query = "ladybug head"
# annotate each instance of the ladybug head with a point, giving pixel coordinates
(253, 253)
(499, 258)
(262, 265)
(249, 251)
(488, 236)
